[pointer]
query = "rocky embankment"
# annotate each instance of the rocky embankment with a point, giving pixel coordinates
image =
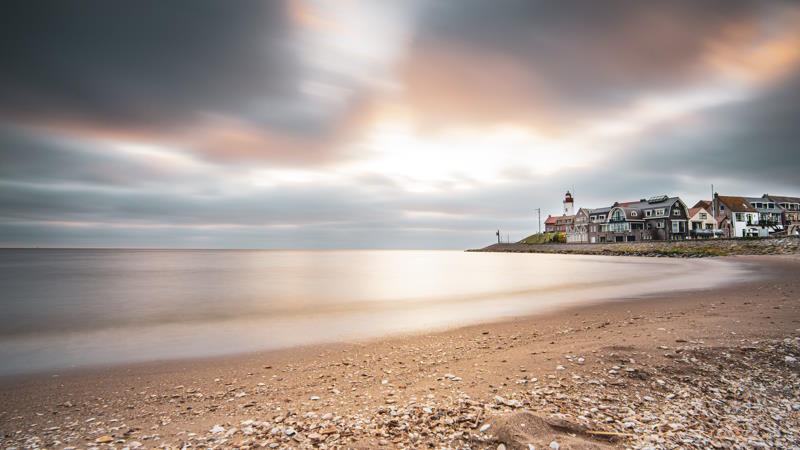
(685, 249)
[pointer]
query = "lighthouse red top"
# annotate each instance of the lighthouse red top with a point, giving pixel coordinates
(568, 198)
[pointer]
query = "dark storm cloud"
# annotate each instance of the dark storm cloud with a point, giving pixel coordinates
(144, 63)
(744, 144)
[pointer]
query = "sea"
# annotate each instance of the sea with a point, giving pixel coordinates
(62, 309)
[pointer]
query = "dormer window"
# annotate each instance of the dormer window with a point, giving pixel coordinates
(634, 213)
(648, 213)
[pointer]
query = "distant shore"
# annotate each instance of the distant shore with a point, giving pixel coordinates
(684, 249)
(701, 369)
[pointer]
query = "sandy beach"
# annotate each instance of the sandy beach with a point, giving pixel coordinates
(700, 369)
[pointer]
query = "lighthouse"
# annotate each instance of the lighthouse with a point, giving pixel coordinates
(568, 205)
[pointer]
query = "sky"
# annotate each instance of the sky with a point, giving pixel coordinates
(380, 124)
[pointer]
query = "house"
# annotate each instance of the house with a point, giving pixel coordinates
(701, 222)
(657, 218)
(597, 217)
(790, 211)
(550, 224)
(741, 219)
(579, 233)
(769, 215)
(558, 224)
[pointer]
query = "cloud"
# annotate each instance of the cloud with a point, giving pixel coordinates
(380, 124)
(559, 65)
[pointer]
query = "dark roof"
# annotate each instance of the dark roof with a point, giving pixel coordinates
(736, 204)
(782, 199)
(629, 213)
(775, 209)
(600, 210)
(651, 204)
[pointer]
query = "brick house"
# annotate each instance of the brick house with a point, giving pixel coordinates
(660, 218)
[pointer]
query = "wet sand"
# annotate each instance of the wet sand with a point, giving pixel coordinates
(696, 369)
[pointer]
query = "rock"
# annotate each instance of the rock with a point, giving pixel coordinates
(485, 428)
(501, 447)
(217, 429)
(554, 445)
(104, 439)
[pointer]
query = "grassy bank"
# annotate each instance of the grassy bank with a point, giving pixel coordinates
(685, 249)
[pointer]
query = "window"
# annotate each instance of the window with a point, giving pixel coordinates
(649, 226)
(660, 212)
(676, 227)
(721, 208)
(660, 224)
(739, 217)
(648, 213)
(676, 211)
(634, 213)
(703, 216)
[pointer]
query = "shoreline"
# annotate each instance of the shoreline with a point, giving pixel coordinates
(531, 284)
(460, 372)
(752, 274)
(702, 248)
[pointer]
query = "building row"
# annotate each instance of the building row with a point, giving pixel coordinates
(665, 218)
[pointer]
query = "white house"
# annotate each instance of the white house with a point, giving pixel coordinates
(742, 217)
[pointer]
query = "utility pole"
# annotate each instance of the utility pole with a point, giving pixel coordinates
(714, 207)
(498, 236)
(539, 210)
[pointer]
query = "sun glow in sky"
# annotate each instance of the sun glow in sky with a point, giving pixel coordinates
(305, 123)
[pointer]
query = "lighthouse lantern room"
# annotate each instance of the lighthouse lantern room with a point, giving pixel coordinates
(568, 205)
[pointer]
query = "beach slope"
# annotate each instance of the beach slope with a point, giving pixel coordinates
(700, 369)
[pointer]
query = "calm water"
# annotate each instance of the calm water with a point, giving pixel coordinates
(68, 308)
